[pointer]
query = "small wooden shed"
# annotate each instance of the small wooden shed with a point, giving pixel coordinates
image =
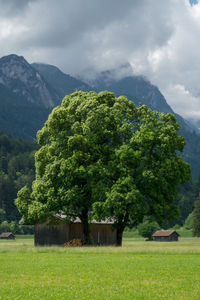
(7, 236)
(165, 236)
(102, 233)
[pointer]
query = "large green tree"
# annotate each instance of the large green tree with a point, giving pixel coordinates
(147, 172)
(102, 153)
(78, 144)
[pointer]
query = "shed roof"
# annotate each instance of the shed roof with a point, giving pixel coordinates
(6, 234)
(164, 233)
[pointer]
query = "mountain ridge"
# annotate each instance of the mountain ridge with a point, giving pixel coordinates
(23, 80)
(62, 83)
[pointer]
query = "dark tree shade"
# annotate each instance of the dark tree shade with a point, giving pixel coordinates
(196, 218)
(16, 170)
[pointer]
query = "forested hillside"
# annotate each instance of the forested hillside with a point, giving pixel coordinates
(16, 170)
(187, 195)
(18, 117)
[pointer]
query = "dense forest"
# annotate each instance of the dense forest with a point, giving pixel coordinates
(16, 170)
(187, 195)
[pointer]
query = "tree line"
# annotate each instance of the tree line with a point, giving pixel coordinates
(17, 168)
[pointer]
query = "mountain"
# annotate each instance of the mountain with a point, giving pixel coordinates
(62, 83)
(27, 97)
(24, 81)
(138, 89)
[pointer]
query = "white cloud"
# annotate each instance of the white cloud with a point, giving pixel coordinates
(8, 30)
(181, 99)
(160, 39)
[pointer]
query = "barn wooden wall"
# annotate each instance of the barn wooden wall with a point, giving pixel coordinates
(101, 234)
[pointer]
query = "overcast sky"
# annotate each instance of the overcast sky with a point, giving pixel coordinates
(160, 39)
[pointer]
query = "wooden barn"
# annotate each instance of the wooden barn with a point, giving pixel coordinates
(7, 236)
(165, 236)
(102, 233)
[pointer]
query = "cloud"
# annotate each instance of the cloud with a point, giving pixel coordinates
(181, 99)
(176, 64)
(159, 39)
(81, 34)
(13, 8)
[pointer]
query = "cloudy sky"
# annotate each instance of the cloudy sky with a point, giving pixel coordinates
(159, 39)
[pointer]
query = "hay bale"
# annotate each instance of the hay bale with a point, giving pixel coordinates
(74, 243)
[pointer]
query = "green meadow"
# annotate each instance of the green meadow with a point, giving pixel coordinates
(137, 270)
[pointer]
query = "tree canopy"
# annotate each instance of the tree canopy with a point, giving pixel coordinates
(101, 154)
(147, 229)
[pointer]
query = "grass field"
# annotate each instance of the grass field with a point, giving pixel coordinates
(138, 270)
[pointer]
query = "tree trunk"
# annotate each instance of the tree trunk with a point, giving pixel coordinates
(119, 236)
(120, 228)
(86, 229)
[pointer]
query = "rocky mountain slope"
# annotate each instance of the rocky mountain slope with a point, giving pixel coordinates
(24, 81)
(136, 88)
(27, 97)
(62, 83)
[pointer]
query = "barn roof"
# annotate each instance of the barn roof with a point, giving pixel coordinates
(164, 233)
(6, 234)
(62, 216)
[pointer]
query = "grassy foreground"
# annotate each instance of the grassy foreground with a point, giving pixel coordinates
(138, 270)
